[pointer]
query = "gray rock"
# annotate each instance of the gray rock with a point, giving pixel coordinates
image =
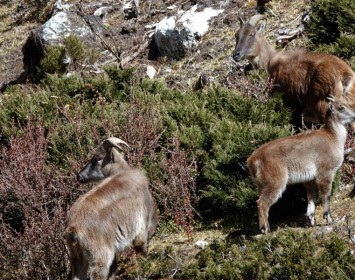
(60, 6)
(174, 36)
(64, 22)
(151, 71)
(130, 10)
(61, 25)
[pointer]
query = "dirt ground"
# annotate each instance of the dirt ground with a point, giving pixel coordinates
(133, 38)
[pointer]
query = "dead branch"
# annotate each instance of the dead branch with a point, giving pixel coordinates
(287, 35)
(135, 55)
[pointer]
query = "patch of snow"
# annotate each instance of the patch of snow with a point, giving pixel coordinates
(175, 35)
(197, 22)
(201, 244)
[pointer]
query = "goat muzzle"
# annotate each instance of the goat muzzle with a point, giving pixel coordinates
(236, 56)
(80, 178)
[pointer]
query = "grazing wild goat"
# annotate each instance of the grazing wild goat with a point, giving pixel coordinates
(305, 78)
(311, 157)
(117, 213)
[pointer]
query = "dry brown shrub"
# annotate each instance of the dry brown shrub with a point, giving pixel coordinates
(175, 189)
(33, 202)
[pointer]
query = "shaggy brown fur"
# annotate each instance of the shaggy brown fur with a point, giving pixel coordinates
(305, 78)
(117, 213)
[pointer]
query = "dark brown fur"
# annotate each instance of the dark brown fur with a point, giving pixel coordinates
(305, 78)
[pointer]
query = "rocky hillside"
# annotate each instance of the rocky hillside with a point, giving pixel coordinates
(125, 33)
(159, 74)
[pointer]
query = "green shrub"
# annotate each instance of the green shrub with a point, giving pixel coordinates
(332, 26)
(286, 254)
(77, 54)
(217, 129)
(68, 121)
(222, 128)
(121, 81)
(53, 61)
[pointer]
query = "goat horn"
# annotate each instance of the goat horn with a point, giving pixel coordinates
(241, 21)
(114, 142)
(255, 19)
(331, 98)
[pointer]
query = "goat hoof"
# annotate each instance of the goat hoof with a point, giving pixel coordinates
(328, 218)
(311, 221)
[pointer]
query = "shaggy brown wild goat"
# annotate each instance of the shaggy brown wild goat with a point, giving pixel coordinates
(117, 213)
(312, 158)
(305, 78)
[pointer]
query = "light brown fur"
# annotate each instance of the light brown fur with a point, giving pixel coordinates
(312, 158)
(117, 213)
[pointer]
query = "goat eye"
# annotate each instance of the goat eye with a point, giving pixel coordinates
(252, 34)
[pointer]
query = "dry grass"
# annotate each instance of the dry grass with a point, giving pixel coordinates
(212, 57)
(343, 213)
(12, 38)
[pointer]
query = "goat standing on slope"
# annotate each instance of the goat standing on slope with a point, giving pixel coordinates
(312, 158)
(117, 213)
(305, 78)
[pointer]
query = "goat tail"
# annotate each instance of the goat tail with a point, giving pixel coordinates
(253, 166)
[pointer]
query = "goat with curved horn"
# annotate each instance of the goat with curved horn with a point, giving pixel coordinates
(114, 142)
(117, 213)
(305, 78)
(106, 156)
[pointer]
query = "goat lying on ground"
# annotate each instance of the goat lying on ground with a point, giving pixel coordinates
(117, 213)
(312, 158)
(305, 78)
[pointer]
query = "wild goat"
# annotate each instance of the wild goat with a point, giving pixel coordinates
(312, 158)
(305, 78)
(117, 213)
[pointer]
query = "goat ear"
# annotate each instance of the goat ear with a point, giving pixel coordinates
(115, 155)
(346, 81)
(331, 107)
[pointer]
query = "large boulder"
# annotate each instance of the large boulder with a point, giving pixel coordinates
(63, 24)
(174, 36)
(65, 21)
